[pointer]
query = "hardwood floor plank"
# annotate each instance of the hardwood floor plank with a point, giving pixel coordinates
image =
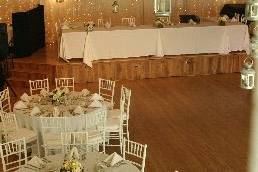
(190, 124)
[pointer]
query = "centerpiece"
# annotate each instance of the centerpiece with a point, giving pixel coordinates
(71, 166)
(58, 96)
(222, 20)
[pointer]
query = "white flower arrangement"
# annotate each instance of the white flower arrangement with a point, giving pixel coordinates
(222, 20)
(89, 26)
(58, 96)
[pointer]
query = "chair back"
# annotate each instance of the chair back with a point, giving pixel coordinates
(95, 126)
(126, 97)
(38, 85)
(128, 20)
(9, 122)
(74, 139)
(51, 127)
(65, 83)
(107, 89)
(137, 150)
(100, 22)
(5, 104)
(8, 150)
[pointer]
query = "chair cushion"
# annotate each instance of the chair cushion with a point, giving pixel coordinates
(109, 105)
(115, 113)
(94, 136)
(112, 124)
(23, 132)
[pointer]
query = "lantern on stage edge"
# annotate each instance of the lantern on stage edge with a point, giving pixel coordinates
(247, 74)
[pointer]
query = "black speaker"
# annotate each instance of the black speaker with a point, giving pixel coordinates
(4, 49)
(186, 18)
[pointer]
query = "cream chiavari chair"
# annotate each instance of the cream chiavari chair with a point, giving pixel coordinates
(75, 139)
(13, 132)
(114, 129)
(107, 90)
(8, 150)
(5, 104)
(100, 22)
(95, 126)
(137, 150)
(115, 113)
(51, 128)
(38, 85)
(128, 20)
(65, 82)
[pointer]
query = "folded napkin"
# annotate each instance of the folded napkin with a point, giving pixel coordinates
(35, 110)
(44, 92)
(25, 97)
(37, 162)
(113, 159)
(96, 96)
(20, 105)
(56, 112)
(66, 90)
(74, 154)
(78, 110)
(85, 92)
(96, 104)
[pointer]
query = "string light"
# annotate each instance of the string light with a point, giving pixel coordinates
(83, 11)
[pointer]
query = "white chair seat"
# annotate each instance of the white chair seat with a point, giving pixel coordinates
(94, 137)
(115, 113)
(29, 135)
(112, 124)
(109, 105)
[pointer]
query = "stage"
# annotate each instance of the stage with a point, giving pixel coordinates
(45, 64)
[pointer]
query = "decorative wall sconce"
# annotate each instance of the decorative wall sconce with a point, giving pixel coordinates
(115, 7)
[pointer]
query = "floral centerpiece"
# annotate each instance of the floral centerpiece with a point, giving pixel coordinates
(58, 96)
(89, 26)
(71, 166)
(222, 20)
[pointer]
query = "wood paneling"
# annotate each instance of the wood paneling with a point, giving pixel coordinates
(131, 68)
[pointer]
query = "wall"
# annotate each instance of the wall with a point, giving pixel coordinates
(85, 10)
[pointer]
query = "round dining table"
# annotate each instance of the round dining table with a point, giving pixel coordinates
(90, 163)
(74, 121)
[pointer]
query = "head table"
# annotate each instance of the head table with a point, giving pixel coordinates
(124, 42)
(90, 163)
(74, 110)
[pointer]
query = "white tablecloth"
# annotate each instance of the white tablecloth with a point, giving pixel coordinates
(90, 164)
(72, 45)
(144, 41)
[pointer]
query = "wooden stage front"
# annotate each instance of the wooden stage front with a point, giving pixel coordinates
(45, 64)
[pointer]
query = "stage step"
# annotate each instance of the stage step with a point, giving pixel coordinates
(22, 72)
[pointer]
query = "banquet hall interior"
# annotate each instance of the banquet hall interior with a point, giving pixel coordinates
(128, 85)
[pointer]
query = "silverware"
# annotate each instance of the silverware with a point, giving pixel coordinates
(33, 166)
(45, 159)
(29, 168)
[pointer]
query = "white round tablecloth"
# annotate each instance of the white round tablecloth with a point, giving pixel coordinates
(90, 164)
